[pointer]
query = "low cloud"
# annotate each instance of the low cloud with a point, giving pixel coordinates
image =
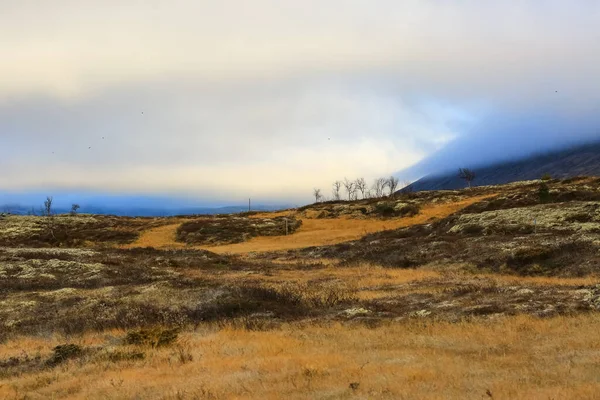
(270, 99)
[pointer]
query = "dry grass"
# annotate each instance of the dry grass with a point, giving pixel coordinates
(366, 280)
(161, 237)
(313, 232)
(513, 358)
(322, 232)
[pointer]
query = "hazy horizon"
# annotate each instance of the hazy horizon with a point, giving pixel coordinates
(217, 102)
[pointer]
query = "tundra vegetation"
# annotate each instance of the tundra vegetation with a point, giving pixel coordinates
(489, 292)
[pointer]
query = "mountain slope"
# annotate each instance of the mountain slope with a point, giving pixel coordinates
(574, 161)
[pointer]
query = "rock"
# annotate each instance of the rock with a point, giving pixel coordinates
(353, 312)
(422, 313)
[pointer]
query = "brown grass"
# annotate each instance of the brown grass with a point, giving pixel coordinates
(322, 232)
(513, 358)
(161, 237)
(368, 281)
(313, 232)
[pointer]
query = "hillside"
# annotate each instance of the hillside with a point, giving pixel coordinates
(574, 161)
(376, 298)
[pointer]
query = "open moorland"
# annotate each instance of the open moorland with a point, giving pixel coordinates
(490, 292)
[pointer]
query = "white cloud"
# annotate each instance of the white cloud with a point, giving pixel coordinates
(272, 97)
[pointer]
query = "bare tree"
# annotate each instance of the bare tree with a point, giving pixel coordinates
(392, 183)
(378, 187)
(337, 185)
(361, 186)
(466, 174)
(317, 194)
(47, 210)
(74, 209)
(350, 187)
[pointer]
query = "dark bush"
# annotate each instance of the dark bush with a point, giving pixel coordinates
(544, 193)
(63, 353)
(391, 209)
(228, 229)
(154, 337)
(408, 210)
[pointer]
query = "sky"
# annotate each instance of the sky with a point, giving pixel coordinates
(218, 101)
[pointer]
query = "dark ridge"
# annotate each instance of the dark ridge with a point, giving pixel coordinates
(581, 160)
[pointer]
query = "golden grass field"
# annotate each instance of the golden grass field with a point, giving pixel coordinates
(313, 232)
(515, 358)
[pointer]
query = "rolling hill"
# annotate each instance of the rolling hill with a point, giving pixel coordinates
(565, 163)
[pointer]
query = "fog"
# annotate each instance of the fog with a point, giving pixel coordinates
(220, 101)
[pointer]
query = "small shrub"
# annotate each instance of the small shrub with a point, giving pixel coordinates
(63, 353)
(155, 337)
(546, 177)
(544, 193)
(580, 217)
(392, 209)
(409, 210)
(385, 209)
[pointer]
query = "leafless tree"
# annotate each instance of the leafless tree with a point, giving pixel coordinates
(337, 185)
(378, 187)
(74, 209)
(317, 194)
(350, 187)
(407, 187)
(466, 174)
(47, 210)
(361, 186)
(392, 183)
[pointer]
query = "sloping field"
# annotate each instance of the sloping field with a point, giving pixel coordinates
(314, 232)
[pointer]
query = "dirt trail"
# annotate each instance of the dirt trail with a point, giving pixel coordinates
(314, 232)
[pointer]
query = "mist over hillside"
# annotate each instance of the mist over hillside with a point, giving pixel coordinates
(567, 162)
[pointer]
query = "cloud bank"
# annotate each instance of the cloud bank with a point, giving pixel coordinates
(268, 99)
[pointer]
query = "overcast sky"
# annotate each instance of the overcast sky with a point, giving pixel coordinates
(220, 100)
